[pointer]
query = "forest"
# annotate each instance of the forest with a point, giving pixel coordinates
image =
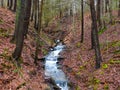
(59, 44)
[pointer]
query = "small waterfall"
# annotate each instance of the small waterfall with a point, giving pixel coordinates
(51, 67)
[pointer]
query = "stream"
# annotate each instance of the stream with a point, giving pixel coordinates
(52, 69)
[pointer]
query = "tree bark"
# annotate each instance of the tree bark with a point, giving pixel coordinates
(20, 29)
(119, 9)
(92, 37)
(10, 4)
(99, 13)
(15, 4)
(38, 31)
(82, 21)
(95, 35)
(27, 15)
(106, 5)
(2, 3)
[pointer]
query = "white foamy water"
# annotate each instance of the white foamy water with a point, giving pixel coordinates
(51, 67)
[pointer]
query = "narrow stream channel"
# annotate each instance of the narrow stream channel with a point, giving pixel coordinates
(52, 68)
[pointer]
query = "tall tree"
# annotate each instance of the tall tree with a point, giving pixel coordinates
(38, 31)
(1, 3)
(106, 5)
(27, 15)
(82, 21)
(110, 11)
(36, 9)
(99, 13)
(20, 29)
(15, 4)
(119, 9)
(95, 34)
(10, 4)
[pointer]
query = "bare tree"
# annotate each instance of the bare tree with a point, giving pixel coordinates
(99, 13)
(95, 34)
(119, 9)
(38, 31)
(82, 21)
(15, 4)
(20, 29)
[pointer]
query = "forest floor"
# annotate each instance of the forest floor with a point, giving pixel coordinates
(79, 62)
(29, 76)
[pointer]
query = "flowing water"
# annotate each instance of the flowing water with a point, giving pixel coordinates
(52, 68)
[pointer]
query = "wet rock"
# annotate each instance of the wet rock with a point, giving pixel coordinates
(52, 83)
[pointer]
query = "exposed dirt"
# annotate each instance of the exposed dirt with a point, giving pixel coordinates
(79, 64)
(29, 77)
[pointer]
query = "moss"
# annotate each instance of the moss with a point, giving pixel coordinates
(78, 44)
(78, 88)
(95, 87)
(44, 51)
(1, 21)
(101, 72)
(94, 81)
(18, 70)
(105, 66)
(47, 88)
(81, 67)
(106, 87)
(111, 44)
(78, 73)
(6, 66)
(5, 55)
(102, 30)
(4, 33)
(112, 61)
(116, 44)
(117, 52)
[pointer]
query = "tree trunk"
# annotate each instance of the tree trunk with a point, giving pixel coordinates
(119, 9)
(106, 5)
(92, 37)
(110, 11)
(32, 11)
(38, 31)
(20, 29)
(95, 35)
(14, 8)
(10, 4)
(27, 16)
(35, 8)
(2, 3)
(82, 21)
(99, 13)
